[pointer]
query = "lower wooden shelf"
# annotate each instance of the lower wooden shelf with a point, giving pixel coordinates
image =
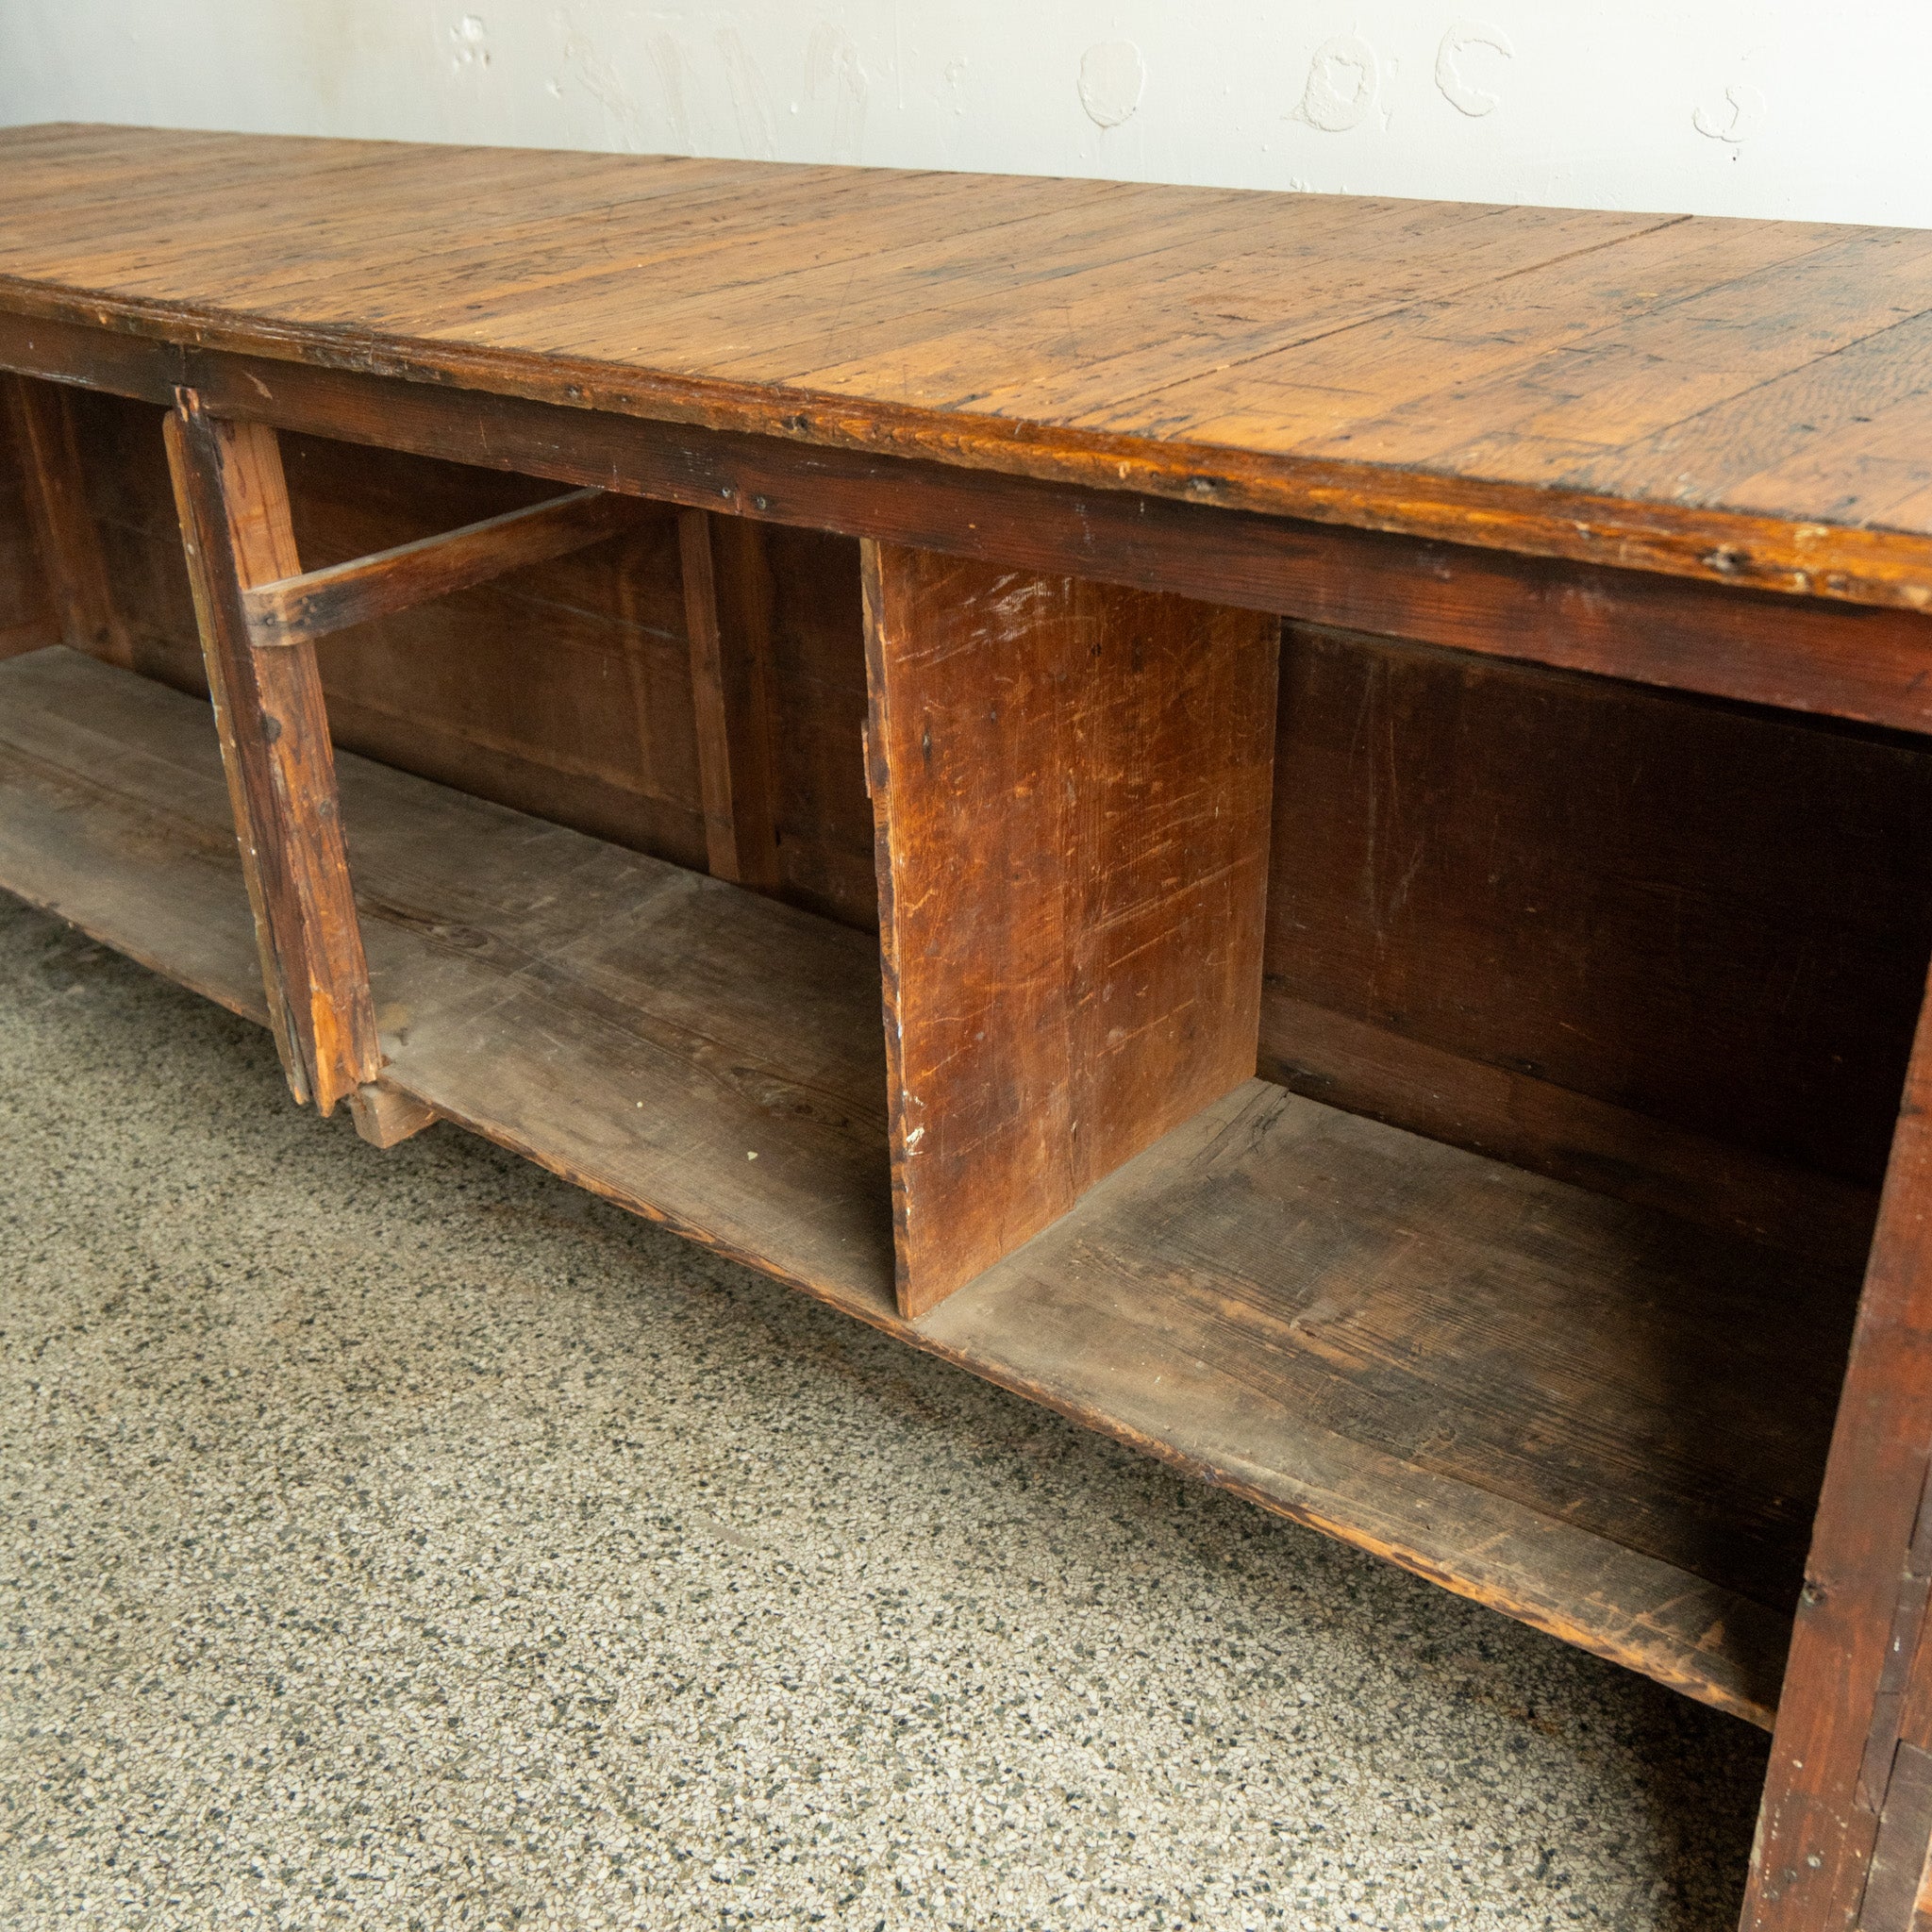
(1594, 1417)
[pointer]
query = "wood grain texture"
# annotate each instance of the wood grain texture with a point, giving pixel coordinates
(236, 532)
(1588, 1415)
(727, 603)
(1802, 653)
(69, 546)
(1739, 401)
(1838, 1726)
(28, 621)
(1071, 784)
(699, 1053)
(1555, 1403)
(1709, 918)
(300, 610)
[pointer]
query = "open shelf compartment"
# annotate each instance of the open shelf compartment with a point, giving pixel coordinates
(1590, 1415)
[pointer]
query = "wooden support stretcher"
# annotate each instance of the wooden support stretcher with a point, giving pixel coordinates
(1025, 870)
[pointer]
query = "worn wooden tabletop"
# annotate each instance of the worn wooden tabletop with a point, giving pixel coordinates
(1502, 373)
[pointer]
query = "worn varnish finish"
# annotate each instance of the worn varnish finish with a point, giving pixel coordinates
(1664, 947)
(1516, 378)
(1071, 785)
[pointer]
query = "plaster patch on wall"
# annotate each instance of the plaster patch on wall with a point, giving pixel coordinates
(750, 104)
(1739, 119)
(833, 72)
(469, 43)
(1113, 75)
(1341, 85)
(1452, 73)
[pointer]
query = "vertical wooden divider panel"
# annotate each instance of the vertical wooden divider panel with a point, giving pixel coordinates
(268, 703)
(1070, 786)
(63, 525)
(727, 605)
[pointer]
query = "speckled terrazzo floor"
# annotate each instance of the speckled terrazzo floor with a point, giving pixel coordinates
(410, 1541)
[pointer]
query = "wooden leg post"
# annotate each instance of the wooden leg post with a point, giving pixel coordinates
(1843, 1838)
(235, 526)
(1070, 787)
(64, 531)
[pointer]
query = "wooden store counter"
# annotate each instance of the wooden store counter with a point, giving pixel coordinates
(1297, 826)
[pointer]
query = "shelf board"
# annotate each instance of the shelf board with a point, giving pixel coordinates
(1602, 1420)
(641, 1029)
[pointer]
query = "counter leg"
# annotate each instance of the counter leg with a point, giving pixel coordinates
(1844, 1836)
(235, 526)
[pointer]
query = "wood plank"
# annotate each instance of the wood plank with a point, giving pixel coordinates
(1413, 367)
(1071, 789)
(1800, 653)
(727, 600)
(1708, 918)
(1822, 1807)
(28, 619)
(301, 609)
(64, 533)
(268, 707)
(1550, 1130)
(1592, 1416)
(1552, 1403)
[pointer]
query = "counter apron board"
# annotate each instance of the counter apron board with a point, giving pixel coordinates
(1296, 825)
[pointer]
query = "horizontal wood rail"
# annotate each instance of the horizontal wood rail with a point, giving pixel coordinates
(299, 609)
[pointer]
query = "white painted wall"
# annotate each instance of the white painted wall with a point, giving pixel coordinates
(1727, 106)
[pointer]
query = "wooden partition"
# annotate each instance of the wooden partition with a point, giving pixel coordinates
(1071, 789)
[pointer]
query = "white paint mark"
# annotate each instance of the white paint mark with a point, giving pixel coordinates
(1341, 85)
(749, 102)
(1746, 115)
(914, 1138)
(470, 38)
(833, 70)
(1111, 77)
(667, 59)
(1452, 80)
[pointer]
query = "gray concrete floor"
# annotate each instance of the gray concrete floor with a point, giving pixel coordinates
(411, 1540)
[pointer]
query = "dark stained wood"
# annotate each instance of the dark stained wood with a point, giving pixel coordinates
(64, 533)
(275, 746)
(727, 603)
(1838, 1730)
(1612, 1150)
(28, 621)
(1630, 389)
(1794, 653)
(300, 610)
(1071, 784)
(1710, 919)
(1592, 1416)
